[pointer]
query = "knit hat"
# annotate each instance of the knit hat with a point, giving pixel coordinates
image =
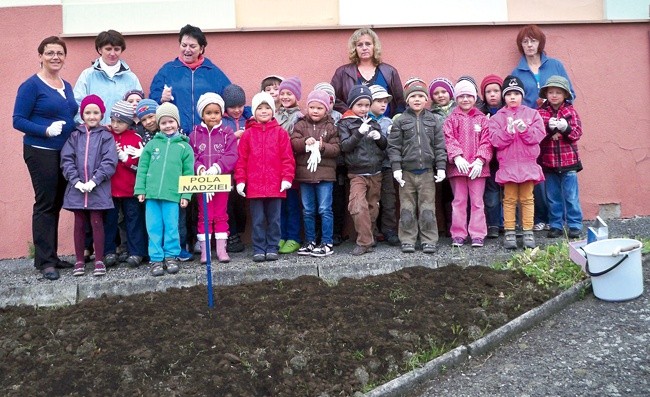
(168, 109)
(416, 87)
(468, 78)
(358, 92)
(379, 92)
(145, 107)
(233, 95)
(414, 81)
(92, 99)
(208, 98)
(559, 82)
(327, 87)
(441, 82)
(464, 87)
(263, 97)
(139, 93)
(292, 84)
(512, 83)
(123, 111)
(490, 79)
(321, 97)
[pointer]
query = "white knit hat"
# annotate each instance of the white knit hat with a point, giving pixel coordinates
(263, 97)
(208, 98)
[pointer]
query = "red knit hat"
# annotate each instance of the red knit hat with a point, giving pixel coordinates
(490, 79)
(92, 99)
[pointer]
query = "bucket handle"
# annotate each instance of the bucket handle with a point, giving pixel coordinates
(604, 271)
(627, 248)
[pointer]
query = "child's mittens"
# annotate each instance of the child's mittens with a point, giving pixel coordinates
(440, 176)
(374, 134)
(134, 152)
(285, 185)
(240, 189)
(398, 177)
(80, 186)
(477, 167)
(562, 124)
(520, 125)
(461, 164)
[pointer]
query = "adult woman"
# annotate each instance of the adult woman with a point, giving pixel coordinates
(109, 76)
(533, 70)
(44, 111)
(183, 80)
(366, 67)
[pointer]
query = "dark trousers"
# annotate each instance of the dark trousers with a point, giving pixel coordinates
(340, 199)
(136, 232)
(265, 217)
(49, 187)
(236, 213)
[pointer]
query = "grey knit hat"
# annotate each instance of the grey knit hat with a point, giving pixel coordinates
(559, 82)
(234, 95)
(123, 111)
(168, 109)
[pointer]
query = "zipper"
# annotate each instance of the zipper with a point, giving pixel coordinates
(417, 130)
(193, 103)
(86, 164)
(162, 175)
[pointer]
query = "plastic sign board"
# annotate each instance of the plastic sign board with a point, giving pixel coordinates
(204, 183)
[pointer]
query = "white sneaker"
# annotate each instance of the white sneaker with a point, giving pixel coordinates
(323, 250)
(538, 227)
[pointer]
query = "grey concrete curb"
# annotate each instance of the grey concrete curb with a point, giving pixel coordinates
(410, 381)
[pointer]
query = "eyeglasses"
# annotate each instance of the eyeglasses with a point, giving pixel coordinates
(51, 54)
(529, 41)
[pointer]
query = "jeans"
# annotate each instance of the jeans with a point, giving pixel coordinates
(541, 207)
(317, 197)
(290, 221)
(468, 190)
(492, 202)
(136, 232)
(182, 227)
(265, 220)
(563, 200)
(162, 226)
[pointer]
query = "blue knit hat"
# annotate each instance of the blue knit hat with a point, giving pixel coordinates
(145, 107)
(358, 92)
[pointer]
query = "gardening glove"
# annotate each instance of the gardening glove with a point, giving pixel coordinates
(134, 152)
(167, 94)
(552, 123)
(477, 167)
(80, 186)
(520, 125)
(374, 134)
(209, 196)
(240, 189)
(213, 170)
(461, 164)
(54, 129)
(285, 186)
(365, 127)
(89, 186)
(440, 176)
(398, 177)
(562, 125)
(511, 127)
(314, 160)
(122, 155)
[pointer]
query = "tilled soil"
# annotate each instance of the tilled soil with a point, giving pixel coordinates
(298, 337)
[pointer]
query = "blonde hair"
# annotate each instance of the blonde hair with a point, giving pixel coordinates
(352, 45)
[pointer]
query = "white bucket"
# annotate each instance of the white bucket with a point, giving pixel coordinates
(615, 268)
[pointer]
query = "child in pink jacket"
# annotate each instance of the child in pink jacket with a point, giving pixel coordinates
(516, 131)
(468, 150)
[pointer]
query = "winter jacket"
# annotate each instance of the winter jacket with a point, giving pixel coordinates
(94, 80)
(187, 86)
(417, 142)
(548, 68)
(163, 161)
(385, 123)
(265, 159)
(329, 150)
(217, 146)
(442, 112)
(362, 154)
(89, 155)
(467, 135)
(517, 153)
(288, 117)
(561, 155)
(345, 77)
(123, 181)
(240, 123)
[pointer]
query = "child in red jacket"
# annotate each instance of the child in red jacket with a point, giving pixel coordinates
(265, 170)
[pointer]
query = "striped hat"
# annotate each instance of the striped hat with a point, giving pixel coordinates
(292, 84)
(145, 107)
(123, 111)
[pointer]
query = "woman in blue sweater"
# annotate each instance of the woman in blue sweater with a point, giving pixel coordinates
(44, 111)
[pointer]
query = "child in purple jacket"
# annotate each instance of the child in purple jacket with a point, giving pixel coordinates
(215, 152)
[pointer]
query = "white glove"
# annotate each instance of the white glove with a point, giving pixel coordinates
(552, 123)
(440, 176)
(285, 186)
(122, 156)
(89, 186)
(461, 164)
(510, 128)
(477, 167)
(240, 189)
(374, 134)
(313, 161)
(167, 94)
(365, 127)
(520, 125)
(213, 170)
(80, 186)
(398, 177)
(134, 152)
(562, 125)
(54, 129)
(209, 196)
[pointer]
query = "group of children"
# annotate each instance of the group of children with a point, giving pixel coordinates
(287, 164)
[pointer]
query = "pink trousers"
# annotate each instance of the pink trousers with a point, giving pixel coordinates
(465, 189)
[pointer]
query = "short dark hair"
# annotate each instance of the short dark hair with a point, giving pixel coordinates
(111, 37)
(52, 40)
(195, 33)
(534, 32)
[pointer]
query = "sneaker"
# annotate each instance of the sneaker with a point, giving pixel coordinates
(171, 266)
(477, 242)
(110, 260)
(184, 256)
(306, 248)
(259, 257)
(429, 248)
(134, 261)
(289, 247)
(538, 227)
(281, 243)
(360, 250)
(457, 242)
(323, 250)
(554, 233)
(510, 240)
(529, 239)
(271, 256)
(408, 248)
(393, 240)
(100, 269)
(493, 232)
(574, 232)
(122, 256)
(79, 269)
(157, 269)
(234, 244)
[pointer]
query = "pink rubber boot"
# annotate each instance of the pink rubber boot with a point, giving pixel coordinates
(201, 238)
(222, 239)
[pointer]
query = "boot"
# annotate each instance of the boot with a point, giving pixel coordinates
(529, 239)
(222, 239)
(201, 239)
(510, 240)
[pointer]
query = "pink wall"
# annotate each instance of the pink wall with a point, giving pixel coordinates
(608, 65)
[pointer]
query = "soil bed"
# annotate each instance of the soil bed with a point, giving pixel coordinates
(298, 337)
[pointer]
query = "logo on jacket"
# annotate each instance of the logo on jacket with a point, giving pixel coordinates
(156, 155)
(202, 147)
(219, 148)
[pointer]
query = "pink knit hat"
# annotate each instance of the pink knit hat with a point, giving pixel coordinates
(92, 99)
(292, 84)
(321, 97)
(441, 82)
